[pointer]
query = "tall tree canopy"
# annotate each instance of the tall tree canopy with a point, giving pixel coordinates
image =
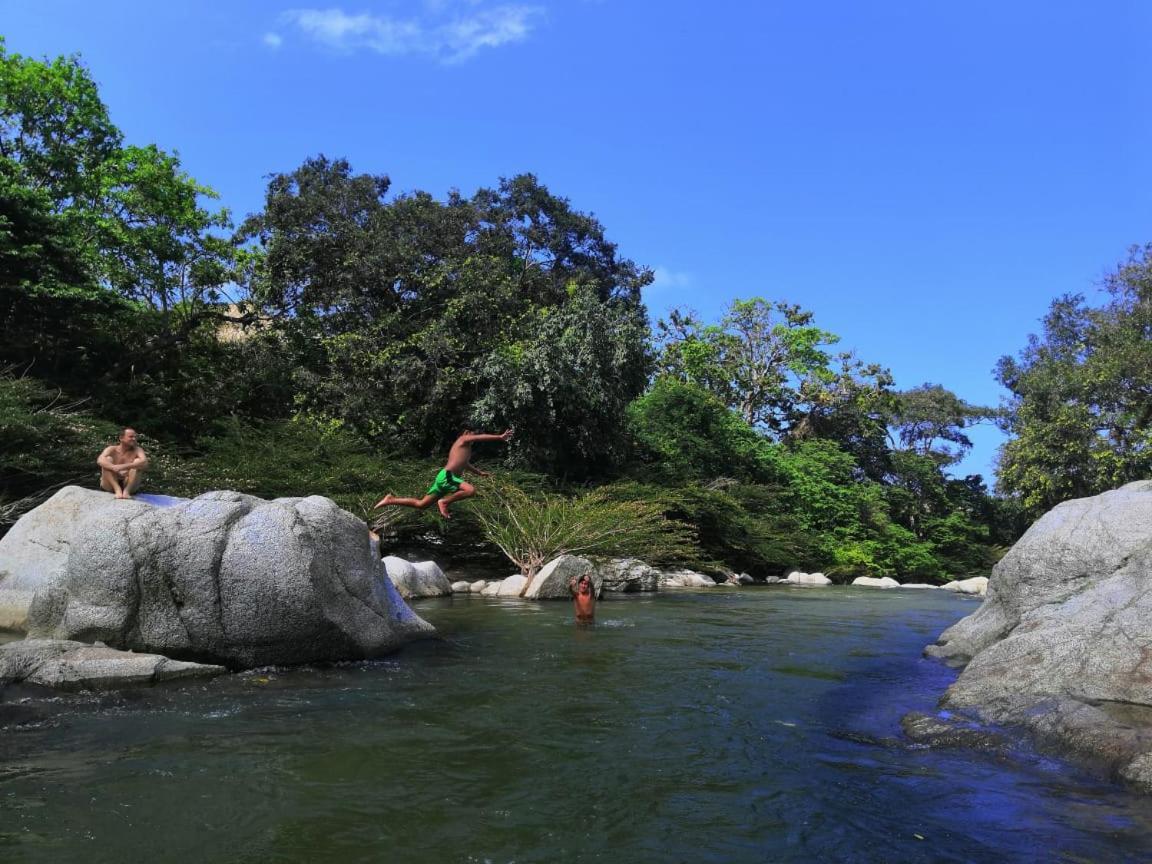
(413, 318)
(1080, 410)
(91, 228)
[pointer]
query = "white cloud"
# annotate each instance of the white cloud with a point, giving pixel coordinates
(273, 40)
(667, 279)
(452, 40)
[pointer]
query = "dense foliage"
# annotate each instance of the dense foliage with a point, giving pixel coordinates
(1081, 394)
(336, 341)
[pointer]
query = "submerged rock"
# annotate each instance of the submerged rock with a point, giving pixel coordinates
(797, 577)
(78, 666)
(872, 582)
(224, 578)
(685, 579)
(1062, 644)
(946, 731)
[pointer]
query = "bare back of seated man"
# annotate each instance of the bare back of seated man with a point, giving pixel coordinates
(449, 484)
(122, 465)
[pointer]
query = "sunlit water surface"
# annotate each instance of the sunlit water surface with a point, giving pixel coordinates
(734, 725)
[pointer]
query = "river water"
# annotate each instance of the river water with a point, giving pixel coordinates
(732, 725)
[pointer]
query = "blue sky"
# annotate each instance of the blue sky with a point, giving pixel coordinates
(925, 177)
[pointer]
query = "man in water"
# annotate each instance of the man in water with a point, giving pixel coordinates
(122, 465)
(583, 598)
(449, 486)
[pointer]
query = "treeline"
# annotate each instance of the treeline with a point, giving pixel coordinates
(337, 341)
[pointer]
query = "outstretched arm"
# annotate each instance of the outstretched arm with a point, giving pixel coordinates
(506, 435)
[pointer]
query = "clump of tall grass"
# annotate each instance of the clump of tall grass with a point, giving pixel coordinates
(533, 528)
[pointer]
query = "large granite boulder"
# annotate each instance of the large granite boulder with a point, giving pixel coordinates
(627, 575)
(223, 578)
(417, 579)
(1063, 642)
(551, 581)
(69, 665)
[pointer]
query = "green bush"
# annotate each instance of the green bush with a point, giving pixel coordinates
(46, 442)
(531, 529)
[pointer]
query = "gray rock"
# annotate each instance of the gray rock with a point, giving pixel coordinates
(461, 587)
(745, 579)
(871, 582)
(78, 666)
(417, 579)
(478, 586)
(798, 578)
(917, 585)
(1062, 644)
(947, 731)
(511, 587)
(493, 588)
(977, 585)
(685, 579)
(551, 581)
(34, 552)
(627, 576)
(225, 578)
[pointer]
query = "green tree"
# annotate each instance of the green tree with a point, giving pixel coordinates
(1080, 410)
(412, 318)
(930, 420)
(110, 265)
(686, 433)
(756, 359)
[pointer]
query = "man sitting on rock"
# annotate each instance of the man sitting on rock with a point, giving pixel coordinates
(449, 486)
(122, 465)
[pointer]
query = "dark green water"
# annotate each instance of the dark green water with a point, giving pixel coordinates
(754, 725)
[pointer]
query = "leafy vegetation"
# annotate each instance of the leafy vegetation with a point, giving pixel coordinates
(336, 341)
(1080, 411)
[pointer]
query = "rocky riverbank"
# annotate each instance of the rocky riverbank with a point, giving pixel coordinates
(1062, 646)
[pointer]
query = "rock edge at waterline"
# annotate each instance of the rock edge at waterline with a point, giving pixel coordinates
(1062, 644)
(67, 665)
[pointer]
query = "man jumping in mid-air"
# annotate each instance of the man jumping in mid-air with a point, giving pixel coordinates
(449, 486)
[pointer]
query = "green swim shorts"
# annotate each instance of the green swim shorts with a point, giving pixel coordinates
(445, 483)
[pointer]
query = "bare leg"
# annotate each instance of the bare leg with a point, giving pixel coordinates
(467, 490)
(110, 482)
(418, 503)
(132, 482)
